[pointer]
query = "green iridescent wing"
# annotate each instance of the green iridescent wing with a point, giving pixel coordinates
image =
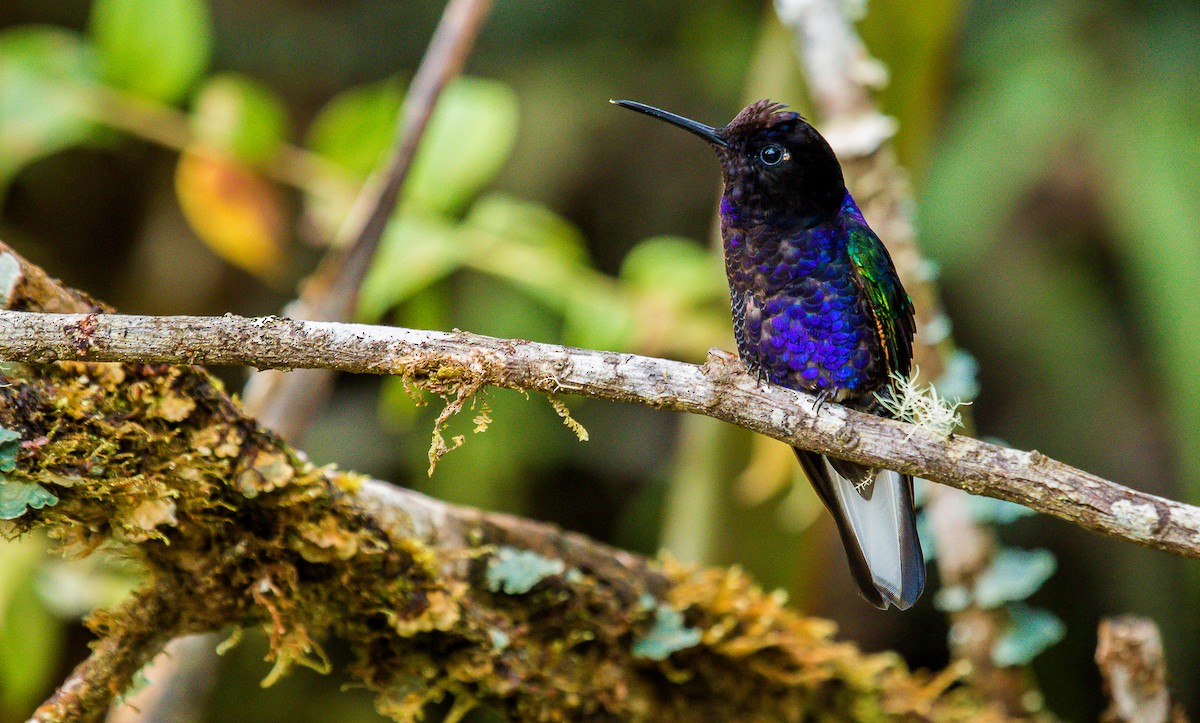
(889, 301)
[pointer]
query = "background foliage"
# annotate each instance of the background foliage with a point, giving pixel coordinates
(1053, 146)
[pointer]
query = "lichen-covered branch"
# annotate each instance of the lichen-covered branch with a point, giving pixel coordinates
(436, 600)
(445, 362)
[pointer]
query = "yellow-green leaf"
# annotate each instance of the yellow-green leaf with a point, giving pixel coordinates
(241, 117)
(233, 210)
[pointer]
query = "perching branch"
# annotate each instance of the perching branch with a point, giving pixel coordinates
(449, 361)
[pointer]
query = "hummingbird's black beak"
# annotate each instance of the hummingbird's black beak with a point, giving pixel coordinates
(708, 133)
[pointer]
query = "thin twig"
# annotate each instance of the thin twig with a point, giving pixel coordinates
(287, 403)
(715, 390)
(169, 128)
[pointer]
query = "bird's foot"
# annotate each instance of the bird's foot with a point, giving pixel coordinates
(822, 398)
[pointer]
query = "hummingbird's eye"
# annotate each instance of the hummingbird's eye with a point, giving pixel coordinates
(772, 155)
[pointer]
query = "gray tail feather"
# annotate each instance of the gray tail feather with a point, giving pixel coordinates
(878, 527)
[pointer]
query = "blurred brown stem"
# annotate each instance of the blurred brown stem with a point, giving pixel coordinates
(169, 127)
(1129, 652)
(287, 403)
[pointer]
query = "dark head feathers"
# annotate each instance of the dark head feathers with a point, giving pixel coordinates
(760, 114)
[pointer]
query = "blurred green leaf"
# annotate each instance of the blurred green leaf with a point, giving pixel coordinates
(915, 41)
(1153, 200)
(675, 266)
(1031, 631)
(40, 111)
(415, 252)
(529, 224)
(469, 138)
(990, 154)
(545, 256)
(532, 247)
(357, 127)
(599, 322)
(30, 637)
(1014, 575)
(156, 49)
(241, 117)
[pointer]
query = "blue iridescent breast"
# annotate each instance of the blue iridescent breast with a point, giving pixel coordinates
(801, 318)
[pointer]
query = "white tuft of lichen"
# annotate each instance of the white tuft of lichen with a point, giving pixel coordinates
(910, 401)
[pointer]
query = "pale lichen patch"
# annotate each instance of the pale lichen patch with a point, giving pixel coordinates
(1187, 518)
(175, 407)
(1141, 519)
(326, 541)
(516, 572)
(150, 514)
(270, 470)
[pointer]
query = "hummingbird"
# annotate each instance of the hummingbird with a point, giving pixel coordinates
(817, 307)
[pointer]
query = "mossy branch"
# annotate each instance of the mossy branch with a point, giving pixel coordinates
(234, 527)
(445, 362)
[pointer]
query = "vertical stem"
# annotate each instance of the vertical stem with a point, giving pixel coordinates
(841, 75)
(288, 402)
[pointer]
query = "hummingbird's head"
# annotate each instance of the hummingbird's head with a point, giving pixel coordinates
(774, 164)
